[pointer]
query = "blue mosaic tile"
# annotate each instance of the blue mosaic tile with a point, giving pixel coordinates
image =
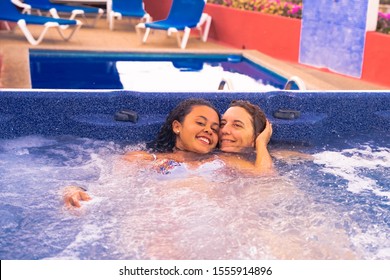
(91, 113)
(333, 35)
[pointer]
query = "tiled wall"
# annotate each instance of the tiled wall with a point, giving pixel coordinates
(333, 35)
(91, 114)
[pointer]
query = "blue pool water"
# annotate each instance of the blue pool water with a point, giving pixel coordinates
(334, 206)
(148, 71)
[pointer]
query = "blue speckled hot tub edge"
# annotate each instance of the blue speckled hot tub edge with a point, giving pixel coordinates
(91, 113)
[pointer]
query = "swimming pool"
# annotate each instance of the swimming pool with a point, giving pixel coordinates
(149, 71)
(333, 206)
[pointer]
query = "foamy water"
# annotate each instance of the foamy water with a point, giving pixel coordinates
(210, 214)
(137, 76)
(355, 166)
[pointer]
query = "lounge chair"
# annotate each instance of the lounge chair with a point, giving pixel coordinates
(127, 8)
(183, 16)
(55, 9)
(9, 12)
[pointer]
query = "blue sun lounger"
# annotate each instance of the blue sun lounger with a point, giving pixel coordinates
(183, 16)
(56, 9)
(127, 8)
(9, 12)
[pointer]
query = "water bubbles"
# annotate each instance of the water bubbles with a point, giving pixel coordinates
(329, 207)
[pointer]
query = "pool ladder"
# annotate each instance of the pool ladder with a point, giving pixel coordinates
(297, 81)
(227, 84)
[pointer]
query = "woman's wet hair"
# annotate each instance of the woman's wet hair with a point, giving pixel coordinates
(259, 119)
(166, 138)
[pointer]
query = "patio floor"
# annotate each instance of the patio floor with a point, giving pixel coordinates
(15, 72)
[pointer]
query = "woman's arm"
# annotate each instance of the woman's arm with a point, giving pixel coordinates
(263, 162)
(73, 195)
(139, 156)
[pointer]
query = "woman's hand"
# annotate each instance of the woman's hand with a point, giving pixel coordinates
(265, 136)
(263, 162)
(73, 195)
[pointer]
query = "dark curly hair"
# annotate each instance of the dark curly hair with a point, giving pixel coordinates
(166, 138)
(258, 117)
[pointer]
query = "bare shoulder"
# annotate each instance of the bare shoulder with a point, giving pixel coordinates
(138, 155)
(235, 161)
(245, 164)
(291, 156)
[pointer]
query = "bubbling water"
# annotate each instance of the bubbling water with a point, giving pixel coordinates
(214, 213)
(137, 76)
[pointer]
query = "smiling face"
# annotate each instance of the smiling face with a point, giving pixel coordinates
(199, 130)
(236, 130)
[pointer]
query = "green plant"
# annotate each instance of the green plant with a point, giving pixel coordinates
(383, 23)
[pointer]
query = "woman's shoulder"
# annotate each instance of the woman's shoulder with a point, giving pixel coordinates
(139, 155)
(242, 162)
(149, 156)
